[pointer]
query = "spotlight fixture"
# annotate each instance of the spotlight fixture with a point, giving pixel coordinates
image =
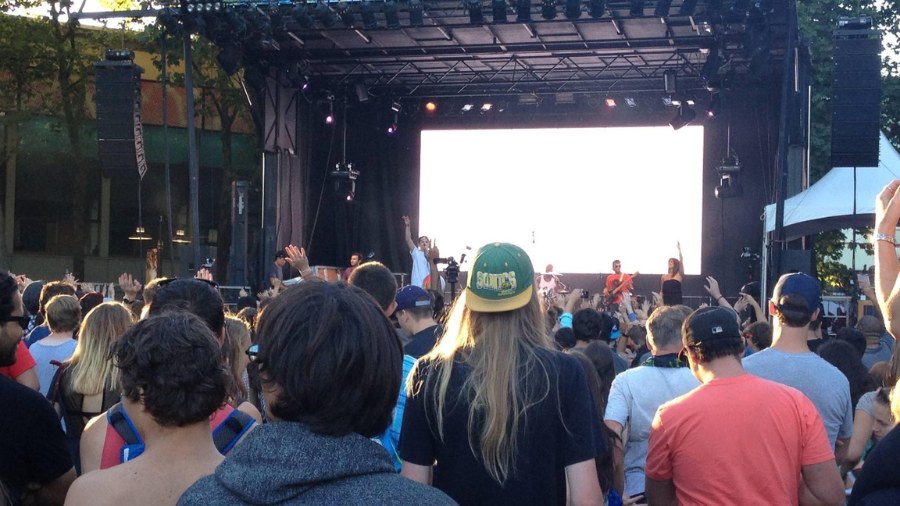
(670, 84)
(181, 237)
(487, 106)
(344, 177)
(324, 14)
(573, 9)
(630, 102)
(476, 15)
(667, 101)
(728, 188)
(346, 15)
(139, 235)
(498, 8)
(396, 107)
(683, 117)
(467, 107)
(610, 102)
(548, 9)
(416, 13)
(523, 11)
(367, 11)
(597, 8)
(391, 130)
(715, 106)
(430, 107)
(329, 118)
(390, 14)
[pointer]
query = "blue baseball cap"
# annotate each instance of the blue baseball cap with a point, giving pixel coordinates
(412, 296)
(804, 290)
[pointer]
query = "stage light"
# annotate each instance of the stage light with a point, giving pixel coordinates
(329, 119)
(523, 11)
(347, 16)
(324, 15)
(662, 8)
(476, 16)
(498, 7)
(630, 102)
(181, 237)
(683, 117)
(344, 177)
(430, 107)
(597, 8)
(667, 101)
(636, 8)
(416, 13)
(548, 9)
(391, 130)
(487, 106)
(728, 188)
(300, 13)
(715, 106)
(573, 9)
(390, 14)
(610, 102)
(467, 107)
(367, 11)
(139, 235)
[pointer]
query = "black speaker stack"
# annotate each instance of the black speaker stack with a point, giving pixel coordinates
(856, 93)
(120, 135)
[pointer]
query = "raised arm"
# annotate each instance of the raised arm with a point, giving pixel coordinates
(887, 213)
(298, 259)
(680, 272)
(407, 234)
(712, 288)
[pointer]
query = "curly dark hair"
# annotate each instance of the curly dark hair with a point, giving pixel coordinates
(172, 365)
(842, 355)
(590, 325)
(334, 357)
(376, 280)
(194, 296)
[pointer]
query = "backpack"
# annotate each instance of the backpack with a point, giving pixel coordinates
(230, 428)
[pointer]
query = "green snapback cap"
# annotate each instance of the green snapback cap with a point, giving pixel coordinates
(501, 278)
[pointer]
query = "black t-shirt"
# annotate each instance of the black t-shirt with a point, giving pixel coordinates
(32, 444)
(422, 342)
(559, 430)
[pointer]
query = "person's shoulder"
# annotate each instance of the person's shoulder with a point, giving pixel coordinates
(18, 398)
(106, 486)
(206, 491)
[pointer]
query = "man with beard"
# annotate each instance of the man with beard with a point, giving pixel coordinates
(35, 461)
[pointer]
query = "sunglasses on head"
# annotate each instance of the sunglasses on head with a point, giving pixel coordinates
(253, 352)
(23, 321)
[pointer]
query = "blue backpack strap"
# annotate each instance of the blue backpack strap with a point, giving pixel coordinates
(118, 420)
(231, 430)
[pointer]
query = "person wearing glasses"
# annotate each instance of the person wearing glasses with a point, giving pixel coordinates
(737, 439)
(172, 383)
(330, 364)
(34, 460)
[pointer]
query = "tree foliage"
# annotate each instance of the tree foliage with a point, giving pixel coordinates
(818, 19)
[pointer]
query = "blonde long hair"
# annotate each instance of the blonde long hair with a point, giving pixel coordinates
(506, 377)
(91, 364)
(237, 339)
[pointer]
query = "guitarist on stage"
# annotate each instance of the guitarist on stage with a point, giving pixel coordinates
(617, 284)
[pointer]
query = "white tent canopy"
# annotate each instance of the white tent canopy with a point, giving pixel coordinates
(828, 204)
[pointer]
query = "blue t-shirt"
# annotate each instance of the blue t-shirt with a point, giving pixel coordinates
(44, 353)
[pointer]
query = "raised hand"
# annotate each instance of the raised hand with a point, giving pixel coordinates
(204, 274)
(129, 285)
(298, 259)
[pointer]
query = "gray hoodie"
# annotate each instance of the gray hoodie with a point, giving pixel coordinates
(285, 463)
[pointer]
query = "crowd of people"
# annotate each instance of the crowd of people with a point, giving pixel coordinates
(357, 391)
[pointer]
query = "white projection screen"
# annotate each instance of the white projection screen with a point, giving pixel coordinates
(574, 197)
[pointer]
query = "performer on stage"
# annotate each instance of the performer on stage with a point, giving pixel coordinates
(355, 259)
(617, 284)
(549, 284)
(671, 281)
(420, 264)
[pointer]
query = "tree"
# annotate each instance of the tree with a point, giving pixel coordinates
(817, 21)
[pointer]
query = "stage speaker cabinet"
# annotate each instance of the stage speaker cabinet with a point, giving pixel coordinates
(237, 263)
(856, 98)
(796, 260)
(120, 136)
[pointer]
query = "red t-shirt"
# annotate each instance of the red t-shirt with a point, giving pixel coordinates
(740, 440)
(614, 280)
(24, 361)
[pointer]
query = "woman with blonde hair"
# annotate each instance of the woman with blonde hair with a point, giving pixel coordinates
(237, 340)
(493, 413)
(87, 384)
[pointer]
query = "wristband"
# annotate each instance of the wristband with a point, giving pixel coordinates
(886, 238)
